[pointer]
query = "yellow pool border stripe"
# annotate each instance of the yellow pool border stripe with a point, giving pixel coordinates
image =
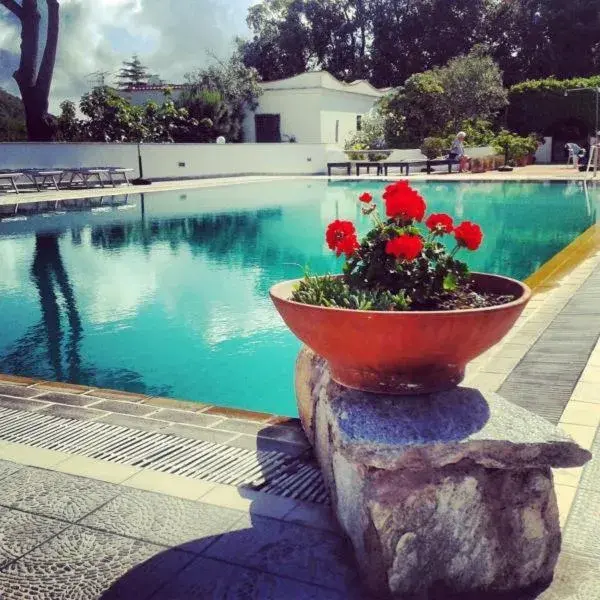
(561, 264)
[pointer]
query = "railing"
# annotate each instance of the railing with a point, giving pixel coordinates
(593, 161)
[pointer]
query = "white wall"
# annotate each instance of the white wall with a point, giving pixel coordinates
(141, 97)
(205, 160)
(311, 114)
(299, 111)
(21, 155)
(177, 161)
(343, 107)
(162, 161)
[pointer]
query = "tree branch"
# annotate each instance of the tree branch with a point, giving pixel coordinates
(44, 79)
(14, 8)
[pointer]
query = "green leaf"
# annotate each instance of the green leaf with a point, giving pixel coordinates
(450, 282)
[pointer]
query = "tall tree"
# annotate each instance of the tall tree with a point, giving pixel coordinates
(133, 73)
(293, 36)
(35, 80)
(222, 93)
(533, 39)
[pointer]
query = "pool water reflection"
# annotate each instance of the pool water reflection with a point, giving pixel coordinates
(170, 297)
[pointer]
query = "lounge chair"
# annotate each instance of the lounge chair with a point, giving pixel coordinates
(85, 176)
(368, 164)
(347, 165)
(12, 179)
(119, 171)
(47, 176)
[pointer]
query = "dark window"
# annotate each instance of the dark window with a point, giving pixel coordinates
(358, 122)
(337, 131)
(267, 128)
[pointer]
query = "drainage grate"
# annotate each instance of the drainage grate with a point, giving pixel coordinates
(272, 472)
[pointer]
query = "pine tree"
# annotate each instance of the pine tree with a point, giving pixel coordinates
(133, 73)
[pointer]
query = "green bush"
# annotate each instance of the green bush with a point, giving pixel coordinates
(541, 103)
(516, 146)
(432, 147)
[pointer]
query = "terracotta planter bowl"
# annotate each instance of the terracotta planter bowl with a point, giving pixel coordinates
(402, 352)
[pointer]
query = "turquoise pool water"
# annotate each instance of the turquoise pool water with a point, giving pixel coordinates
(168, 293)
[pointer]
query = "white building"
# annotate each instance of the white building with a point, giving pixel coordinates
(312, 108)
(138, 96)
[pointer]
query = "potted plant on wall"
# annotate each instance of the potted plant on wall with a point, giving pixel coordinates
(406, 315)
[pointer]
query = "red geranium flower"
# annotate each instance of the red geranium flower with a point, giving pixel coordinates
(341, 237)
(405, 246)
(365, 197)
(401, 201)
(440, 223)
(469, 235)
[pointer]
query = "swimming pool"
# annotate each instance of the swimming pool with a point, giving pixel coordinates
(167, 294)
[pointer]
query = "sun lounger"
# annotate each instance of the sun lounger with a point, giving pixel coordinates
(339, 165)
(12, 179)
(367, 164)
(46, 175)
(400, 165)
(84, 175)
(118, 171)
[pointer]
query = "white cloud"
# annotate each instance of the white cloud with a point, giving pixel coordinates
(172, 38)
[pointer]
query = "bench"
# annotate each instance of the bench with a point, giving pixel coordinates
(431, 163)
(12, 178)
(339, 165)
(441, 161)
(367, 164)
(401, 165)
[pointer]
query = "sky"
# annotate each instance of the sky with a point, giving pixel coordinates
(172, 37)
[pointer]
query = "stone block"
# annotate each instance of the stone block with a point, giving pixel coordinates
(442, 494)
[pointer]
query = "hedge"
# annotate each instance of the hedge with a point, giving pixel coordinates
(538, 105)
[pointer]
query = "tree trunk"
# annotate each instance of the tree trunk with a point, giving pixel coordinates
(33, 85)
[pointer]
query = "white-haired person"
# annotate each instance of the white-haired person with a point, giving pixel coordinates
(457, 152)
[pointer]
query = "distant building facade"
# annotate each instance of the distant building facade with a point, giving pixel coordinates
(310, 108)
(138, 96)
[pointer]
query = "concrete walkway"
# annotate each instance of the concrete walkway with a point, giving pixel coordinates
(529, 173)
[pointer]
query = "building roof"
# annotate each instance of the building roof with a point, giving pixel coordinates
(323, 79)
(154, 88)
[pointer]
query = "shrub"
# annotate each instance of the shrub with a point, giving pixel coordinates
(539, 104)
(432, 147)
(513, 145)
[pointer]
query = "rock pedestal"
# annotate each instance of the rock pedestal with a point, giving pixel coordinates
(441, 495)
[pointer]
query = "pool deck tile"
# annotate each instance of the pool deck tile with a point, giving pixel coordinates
(21, 403)
(133, 422)
(119, 395)
(73, 412)
(244, 499)
(200, 433)
(231, 413)
(100, 470)
(127, 408)
(172, 485)
(170, 403)
(34, 457)
(67, 399)
(18, 391)
(58, 386)
(185, 417)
